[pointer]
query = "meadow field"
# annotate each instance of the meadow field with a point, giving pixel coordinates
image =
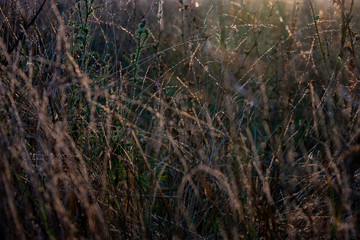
(179, 119)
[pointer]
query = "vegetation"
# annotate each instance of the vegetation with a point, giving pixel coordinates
(179, 119)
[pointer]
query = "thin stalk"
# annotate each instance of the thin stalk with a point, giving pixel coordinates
(318, 35)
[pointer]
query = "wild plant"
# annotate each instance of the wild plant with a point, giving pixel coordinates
(207, 120)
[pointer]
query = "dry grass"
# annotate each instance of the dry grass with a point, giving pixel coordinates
(211, 120)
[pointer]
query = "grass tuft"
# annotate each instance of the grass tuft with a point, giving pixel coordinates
(179, 119)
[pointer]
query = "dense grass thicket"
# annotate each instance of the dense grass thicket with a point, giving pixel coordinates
(179, 119)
